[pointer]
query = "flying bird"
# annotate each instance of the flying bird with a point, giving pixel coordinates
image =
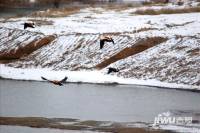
(31, 25)
(111, 69)
(104, 39)
(56, 82)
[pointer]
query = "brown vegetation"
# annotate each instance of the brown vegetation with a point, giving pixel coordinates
(151, 3)
(134, 49)
(144, 29)
(167, 11)
(27, 49)
(56, 12)
(120, 7)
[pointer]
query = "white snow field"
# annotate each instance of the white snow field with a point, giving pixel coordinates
(173, 63)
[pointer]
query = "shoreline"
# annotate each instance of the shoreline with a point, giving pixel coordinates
(107, 84)
(78, 125)
(93, 77)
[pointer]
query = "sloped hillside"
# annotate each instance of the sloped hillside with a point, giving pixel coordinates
(175, 61)
(15, 44)
(161, 47)
(75, 52)
(72, 52)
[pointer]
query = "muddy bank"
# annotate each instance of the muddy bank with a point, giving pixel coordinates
(74, 124)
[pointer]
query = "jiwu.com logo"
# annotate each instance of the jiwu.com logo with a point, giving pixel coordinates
(172, 120)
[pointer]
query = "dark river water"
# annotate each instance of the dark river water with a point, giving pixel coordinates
(121, 103)
(6, 12)
(13, 12)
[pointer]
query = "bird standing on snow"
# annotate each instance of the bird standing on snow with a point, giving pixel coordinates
(104, 39)
(111, 69)
(56, 82)
(31, 25)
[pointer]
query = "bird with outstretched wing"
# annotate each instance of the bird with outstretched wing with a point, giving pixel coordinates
(56, 82)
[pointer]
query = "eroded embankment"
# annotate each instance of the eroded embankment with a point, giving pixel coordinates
(175, 61)
(15, 44)
(72, 52)
(168, 59)
(27, 49)
(74, 124)
(140, 46)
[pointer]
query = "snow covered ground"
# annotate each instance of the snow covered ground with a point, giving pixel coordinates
(76, 46)
(99, 20)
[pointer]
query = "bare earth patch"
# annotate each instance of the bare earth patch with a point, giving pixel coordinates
(27, 49)
(74, 124)
(134, 49)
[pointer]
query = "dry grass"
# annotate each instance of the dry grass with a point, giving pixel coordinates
(120, 7)
(144, 29)
(134, 49)
(167, 11)
(56, 12)
(147, 3)
(26, 50)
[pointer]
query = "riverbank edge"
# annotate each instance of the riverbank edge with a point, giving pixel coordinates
(87, 77)
(75, 124)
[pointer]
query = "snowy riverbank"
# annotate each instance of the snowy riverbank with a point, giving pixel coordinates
(83, 76)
